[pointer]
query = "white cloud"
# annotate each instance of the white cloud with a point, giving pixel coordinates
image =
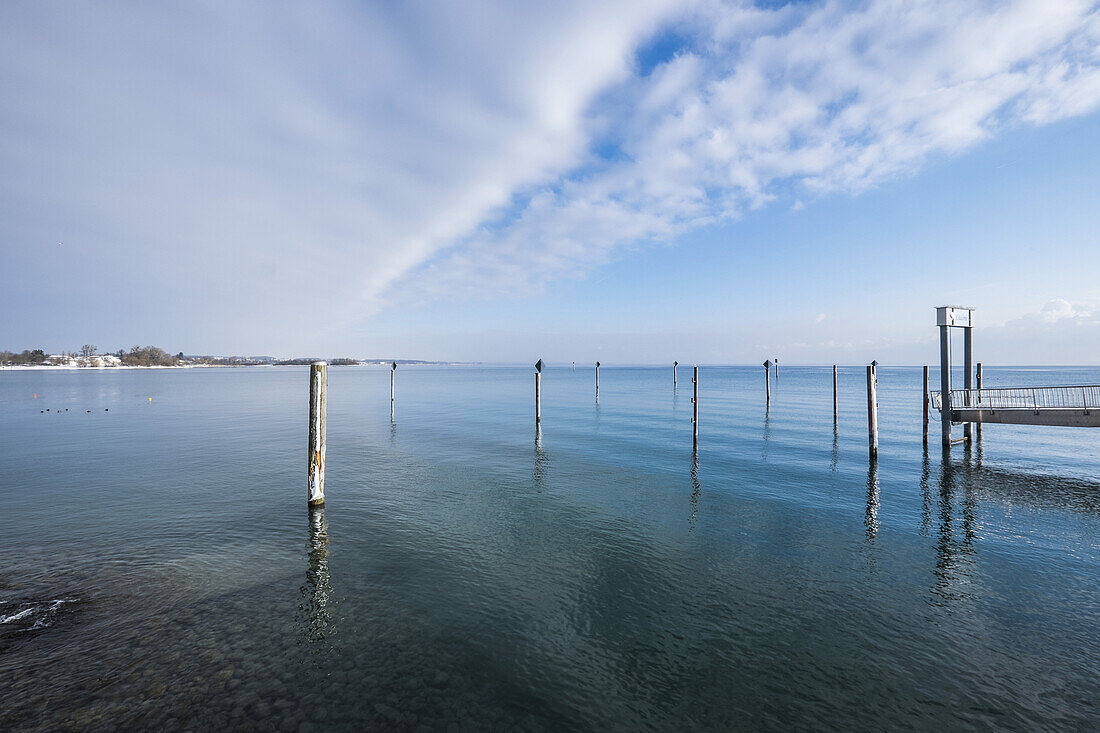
(797, 101)
(1060, 311)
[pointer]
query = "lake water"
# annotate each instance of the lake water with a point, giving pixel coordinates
(159, 567)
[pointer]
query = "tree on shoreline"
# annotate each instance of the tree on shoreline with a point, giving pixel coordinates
(27, 356)
(148, 356)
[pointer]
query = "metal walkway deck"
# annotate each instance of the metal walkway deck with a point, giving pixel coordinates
(1070, 406)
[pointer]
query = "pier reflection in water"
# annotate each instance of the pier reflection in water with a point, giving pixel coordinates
(954, 535)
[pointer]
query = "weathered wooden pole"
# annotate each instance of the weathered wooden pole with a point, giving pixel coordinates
(872, 411)
(393, 372)
(674, 365)
(695, 410)
(777, 367)
(834, 394)
(767, 382)
(978, 386)
(597, 381)
(925, 434)
(318, 417)
(538, 391)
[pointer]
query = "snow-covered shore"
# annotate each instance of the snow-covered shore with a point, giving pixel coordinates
(47, 367)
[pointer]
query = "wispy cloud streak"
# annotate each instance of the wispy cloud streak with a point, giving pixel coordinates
(789, 103)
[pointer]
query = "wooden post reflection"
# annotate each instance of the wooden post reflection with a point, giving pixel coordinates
(316, 604)
(541, 460)
(696, 490)
(870, 520)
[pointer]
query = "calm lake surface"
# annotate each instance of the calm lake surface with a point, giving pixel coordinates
(159, 567)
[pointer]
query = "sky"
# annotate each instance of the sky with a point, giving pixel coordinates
(635, 182)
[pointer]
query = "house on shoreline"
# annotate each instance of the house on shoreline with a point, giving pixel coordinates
(76, 360)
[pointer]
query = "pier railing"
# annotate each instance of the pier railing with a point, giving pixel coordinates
(1073, 397)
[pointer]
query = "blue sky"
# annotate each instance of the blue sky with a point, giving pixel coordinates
(635, 182)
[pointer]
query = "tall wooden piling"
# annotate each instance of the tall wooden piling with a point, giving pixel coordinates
(393, 372)
(318, 418)
(674, 365)
(925, 434)
(597, 381)
(538, 391)
(872, 411)
(978, 386)
(834, 394)
(777, 367)
(695, 410)
(767, 382)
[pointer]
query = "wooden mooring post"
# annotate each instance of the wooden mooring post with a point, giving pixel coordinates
(695, 410)
(872, 410)
(597, 382)
(538, 391)
(777, 367)
(834, 394)
(393, 372)
(925, 433)
(978, 386)
(674, 365)
(768, 382)
(318, 417)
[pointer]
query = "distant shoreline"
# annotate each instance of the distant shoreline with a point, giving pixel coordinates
(68, 368)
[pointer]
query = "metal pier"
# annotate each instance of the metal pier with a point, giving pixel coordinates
(1068, 406)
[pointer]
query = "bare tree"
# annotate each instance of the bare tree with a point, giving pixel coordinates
(87, 351)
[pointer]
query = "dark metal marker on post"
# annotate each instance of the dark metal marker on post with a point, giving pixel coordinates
(768, 381)
(695, 410)
(872, 409)
(538, 391)
(318, 417)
